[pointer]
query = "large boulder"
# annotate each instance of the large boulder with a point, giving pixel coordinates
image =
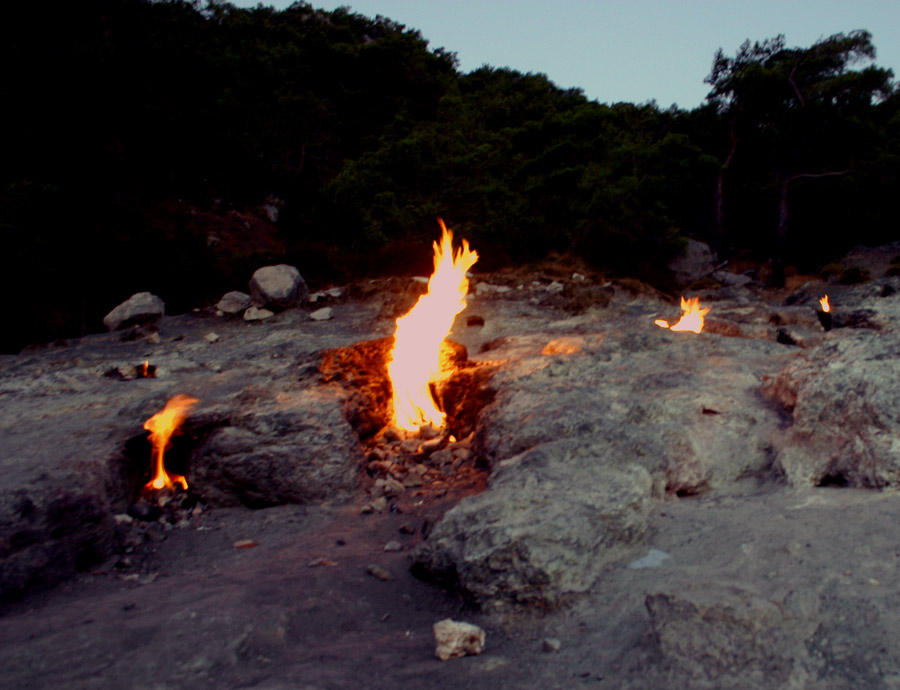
(695, 262)
(279, 286)
(543, 531)
(843, 402)
(142, 308)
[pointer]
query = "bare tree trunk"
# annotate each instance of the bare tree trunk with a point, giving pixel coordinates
(720, 188)
(784, 182)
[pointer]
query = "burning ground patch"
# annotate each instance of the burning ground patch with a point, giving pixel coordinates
(398, 462)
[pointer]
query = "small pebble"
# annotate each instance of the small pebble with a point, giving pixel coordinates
(321, 314)
(551, 644)
(315, 562)
(379, 572)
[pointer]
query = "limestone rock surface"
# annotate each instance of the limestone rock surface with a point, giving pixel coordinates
(843, 402)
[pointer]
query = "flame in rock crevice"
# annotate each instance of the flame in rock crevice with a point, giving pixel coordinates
(692, 317)
(161, 427)
(415, 360)
(826, 307)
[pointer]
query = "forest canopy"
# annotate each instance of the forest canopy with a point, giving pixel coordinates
(176, 146)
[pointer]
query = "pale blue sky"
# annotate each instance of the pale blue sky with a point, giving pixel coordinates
(625, 50)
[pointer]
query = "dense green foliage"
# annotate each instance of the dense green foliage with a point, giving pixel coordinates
(142, 135)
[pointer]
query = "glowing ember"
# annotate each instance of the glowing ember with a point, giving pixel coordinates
(415, 361)
(824, 304)
(161, 427)
(692, 317)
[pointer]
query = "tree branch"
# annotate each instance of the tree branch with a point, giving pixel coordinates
(826, 174)
(794, 84)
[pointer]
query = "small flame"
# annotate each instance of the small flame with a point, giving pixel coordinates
(415, 361)
(826, 307)
(161, 427)
(692, 317)
(145, 369)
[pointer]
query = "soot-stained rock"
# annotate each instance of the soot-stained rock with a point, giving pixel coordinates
(543, 531)
(358, 374)
(843, 400)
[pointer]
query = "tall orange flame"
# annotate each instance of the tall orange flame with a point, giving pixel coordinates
(415, 360)
(826, 307)
(692, 317)
(161, 427)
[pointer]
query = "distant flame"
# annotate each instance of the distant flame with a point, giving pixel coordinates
(415, 361)
(824, 304)
(692, 317)
(145, 369)
(161, 427)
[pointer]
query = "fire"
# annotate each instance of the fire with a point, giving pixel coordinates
(692, 317)
(826, 307)
(161, 427)
(145, 369)
(415, 361)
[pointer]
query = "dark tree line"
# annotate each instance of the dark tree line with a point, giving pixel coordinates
(143, 137)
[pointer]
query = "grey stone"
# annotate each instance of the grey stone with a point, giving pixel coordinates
(694, 263)
(322, 314)
(456, 639)
(278, 287)
(257, 314)
(140, 309)
(234, 302)
(551, 644)
(483, 289)
(732, 279)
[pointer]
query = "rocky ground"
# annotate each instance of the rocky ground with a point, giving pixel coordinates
(621, 506)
